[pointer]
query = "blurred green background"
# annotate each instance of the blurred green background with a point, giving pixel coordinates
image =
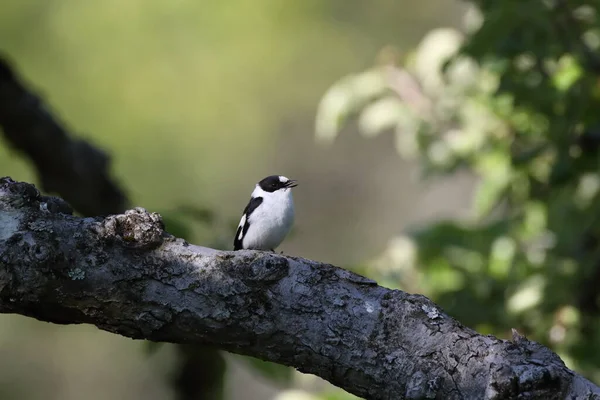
(466, 175)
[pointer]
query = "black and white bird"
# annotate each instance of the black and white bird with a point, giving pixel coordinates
(269, 215)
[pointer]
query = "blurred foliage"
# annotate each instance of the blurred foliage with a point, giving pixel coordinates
(513, 101)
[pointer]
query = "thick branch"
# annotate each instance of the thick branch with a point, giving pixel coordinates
(66, 165)
(124, 274)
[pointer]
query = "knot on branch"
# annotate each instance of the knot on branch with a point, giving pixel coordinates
(535, 351)
(535, 370)
(17, 194)
(20, 194)
(136, 228)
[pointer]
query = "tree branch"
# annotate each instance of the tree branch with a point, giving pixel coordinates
(66, 165)
(125, 275)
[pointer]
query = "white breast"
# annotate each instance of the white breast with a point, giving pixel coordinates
(271, 221)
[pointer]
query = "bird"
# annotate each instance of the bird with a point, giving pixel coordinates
(269, 215)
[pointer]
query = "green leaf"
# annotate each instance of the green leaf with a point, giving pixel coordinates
(528, 295)
(535, 219)
(569, 71)
(495, 169)
(345, 99)
(501, 257)
(381, 115)
(488, 195)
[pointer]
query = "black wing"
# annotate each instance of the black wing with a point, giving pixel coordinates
(243, 228)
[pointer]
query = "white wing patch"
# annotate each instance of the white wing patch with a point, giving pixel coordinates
(242, 223)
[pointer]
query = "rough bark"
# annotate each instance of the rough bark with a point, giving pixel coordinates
(124, 274)
(72, 167)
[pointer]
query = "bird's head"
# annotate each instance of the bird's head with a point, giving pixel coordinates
(276, 183)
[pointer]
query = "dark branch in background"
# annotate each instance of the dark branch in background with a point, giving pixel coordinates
(201, 374)
(64, 164)
(78, 172)
(125, 275)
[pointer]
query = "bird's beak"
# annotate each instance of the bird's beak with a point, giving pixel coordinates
(291, 183)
